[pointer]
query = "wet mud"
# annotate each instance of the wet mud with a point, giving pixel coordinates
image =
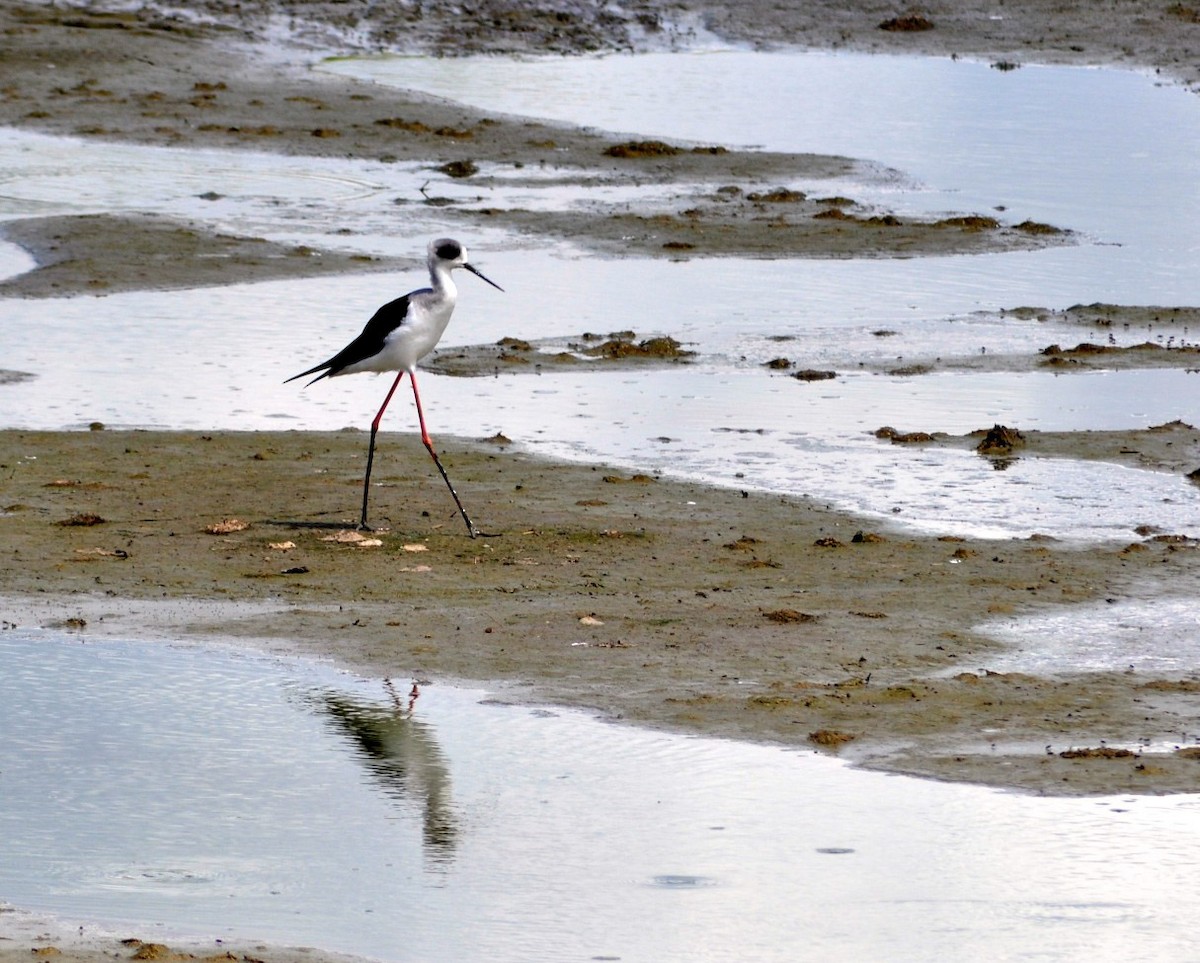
(669, 604)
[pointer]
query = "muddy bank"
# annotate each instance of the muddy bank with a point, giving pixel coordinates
(154, 78)
(1172, 447)
(669, 604)
(106, 253)
(1077, 339)
(25, 936)
(1160, 37)
(202, 78)
(1118, 337)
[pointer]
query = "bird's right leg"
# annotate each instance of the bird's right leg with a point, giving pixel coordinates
(362, 522)
(428, 442)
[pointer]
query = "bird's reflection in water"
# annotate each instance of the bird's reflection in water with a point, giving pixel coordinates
(402, 753)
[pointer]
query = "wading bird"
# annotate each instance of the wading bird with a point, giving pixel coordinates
(401, 333)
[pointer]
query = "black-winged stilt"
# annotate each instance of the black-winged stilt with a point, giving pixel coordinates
(399, 335)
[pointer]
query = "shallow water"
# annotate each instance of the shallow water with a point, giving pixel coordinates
(201, 792)
(1162, 636)
(1106, 152)
(969, 137)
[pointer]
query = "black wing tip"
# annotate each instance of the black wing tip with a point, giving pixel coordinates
(324, 374)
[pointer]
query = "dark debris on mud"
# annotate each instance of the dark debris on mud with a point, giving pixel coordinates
(588, 351)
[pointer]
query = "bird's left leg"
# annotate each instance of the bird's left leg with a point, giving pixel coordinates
(362, 522)
(428, 442)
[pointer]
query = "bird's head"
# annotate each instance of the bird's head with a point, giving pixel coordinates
(449, 254)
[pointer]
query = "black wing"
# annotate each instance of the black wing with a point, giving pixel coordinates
(368, 344)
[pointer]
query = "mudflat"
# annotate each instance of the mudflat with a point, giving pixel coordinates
(707, 609)
(658, 602)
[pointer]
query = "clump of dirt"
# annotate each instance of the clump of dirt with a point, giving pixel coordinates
(399, 123)
(638, 478)
(642, 148)
(226, 526)
(781, 195)
(830, 738)
(1090, 348)
(588, 351)
(970, 222)
(1037, 227)
(1102, 752)
(999, 440)
(788, 616)
(83, 520)
(460, 168)
(1184, 12)
(1082, 348)
(908, 23)
(660, 347)
(875, 220)
(902, 438)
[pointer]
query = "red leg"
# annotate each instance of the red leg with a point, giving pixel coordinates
(428, 442)
(383, 407)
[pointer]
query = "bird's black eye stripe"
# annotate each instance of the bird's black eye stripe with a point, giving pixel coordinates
(449, 251)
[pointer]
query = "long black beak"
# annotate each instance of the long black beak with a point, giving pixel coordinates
(474, 270)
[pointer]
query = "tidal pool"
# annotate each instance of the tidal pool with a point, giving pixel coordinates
(210, 793)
